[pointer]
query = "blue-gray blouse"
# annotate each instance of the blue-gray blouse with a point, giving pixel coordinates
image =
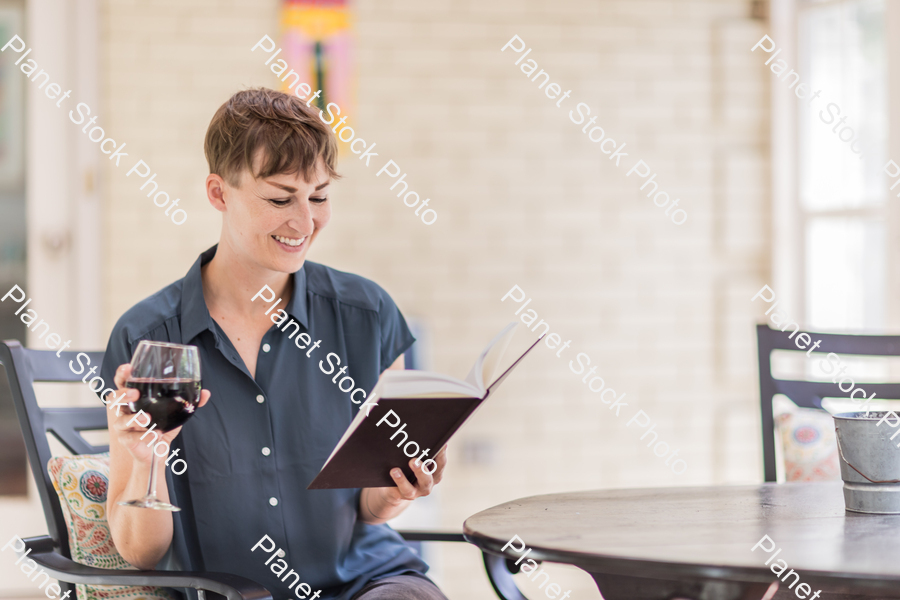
(255, 446)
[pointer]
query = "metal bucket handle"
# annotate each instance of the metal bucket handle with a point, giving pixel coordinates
(837, 431)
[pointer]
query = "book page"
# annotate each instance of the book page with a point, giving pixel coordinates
(489, 359)
(412, 383)
(491, 367)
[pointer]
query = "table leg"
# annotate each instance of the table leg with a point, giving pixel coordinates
(618, 587)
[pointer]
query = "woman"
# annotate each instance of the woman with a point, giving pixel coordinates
(269, 417)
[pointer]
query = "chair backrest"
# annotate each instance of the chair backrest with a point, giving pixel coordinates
(24, 367)
(809, 394)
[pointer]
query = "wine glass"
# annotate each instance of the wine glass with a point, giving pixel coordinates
(168, 378)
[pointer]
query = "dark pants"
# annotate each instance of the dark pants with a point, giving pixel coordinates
(400, 587)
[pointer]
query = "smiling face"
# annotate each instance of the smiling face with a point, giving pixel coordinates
(271, 222)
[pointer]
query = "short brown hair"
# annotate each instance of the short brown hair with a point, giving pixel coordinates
(291, 136)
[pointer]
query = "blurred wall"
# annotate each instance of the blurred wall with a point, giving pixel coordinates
(523, 199)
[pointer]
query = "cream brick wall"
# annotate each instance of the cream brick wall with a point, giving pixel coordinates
(523, 199)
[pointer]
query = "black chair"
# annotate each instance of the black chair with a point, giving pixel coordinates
(809, 394)
(24, 367)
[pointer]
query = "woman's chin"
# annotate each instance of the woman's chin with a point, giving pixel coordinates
(288, 264)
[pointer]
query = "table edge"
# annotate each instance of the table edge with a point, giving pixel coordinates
(637, 567)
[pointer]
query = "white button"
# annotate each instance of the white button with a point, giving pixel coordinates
(281, 553)
(266, 451)
(266, 347)
(273, 501)
(260, 399)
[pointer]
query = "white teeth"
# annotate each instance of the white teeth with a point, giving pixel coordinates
(289, 241)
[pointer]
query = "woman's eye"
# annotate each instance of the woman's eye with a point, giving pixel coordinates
(318, 200)
(280, 202)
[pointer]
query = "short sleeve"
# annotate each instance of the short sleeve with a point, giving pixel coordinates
(396, 337)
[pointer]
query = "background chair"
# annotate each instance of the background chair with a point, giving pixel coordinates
(809, 394)
(24, 367)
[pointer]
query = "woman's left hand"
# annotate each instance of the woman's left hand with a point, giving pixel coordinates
(381, 504)
(425, 482)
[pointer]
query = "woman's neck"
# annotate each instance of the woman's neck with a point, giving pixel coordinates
(230, 283)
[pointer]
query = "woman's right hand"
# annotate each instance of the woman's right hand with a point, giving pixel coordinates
(127, 429)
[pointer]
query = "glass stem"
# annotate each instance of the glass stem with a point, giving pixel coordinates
(151, 485)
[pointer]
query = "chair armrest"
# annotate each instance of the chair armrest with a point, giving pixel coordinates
(431, 536)
(59, 567)
(499, 569)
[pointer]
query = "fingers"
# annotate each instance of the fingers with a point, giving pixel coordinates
(131, 423)
(122, 375)
(407, 490)
(170, 435)
(204, 397)
(126, 422)
(425, 480)
(123, 395)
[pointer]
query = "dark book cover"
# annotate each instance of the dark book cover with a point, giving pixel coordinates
(368, 455)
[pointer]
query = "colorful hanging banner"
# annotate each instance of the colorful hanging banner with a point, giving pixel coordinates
(318, 44)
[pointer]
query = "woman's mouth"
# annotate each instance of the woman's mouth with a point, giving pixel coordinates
(290, 244)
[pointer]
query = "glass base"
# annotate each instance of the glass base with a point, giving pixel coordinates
(150, 502)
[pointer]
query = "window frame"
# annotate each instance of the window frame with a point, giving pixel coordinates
(789, 217)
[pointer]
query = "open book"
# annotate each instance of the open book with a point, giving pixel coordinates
(421, 410)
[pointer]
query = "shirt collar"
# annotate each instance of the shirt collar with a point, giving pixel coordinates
(195, 317)
(297, 306)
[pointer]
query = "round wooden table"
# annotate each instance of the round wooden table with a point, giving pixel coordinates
(662, 543)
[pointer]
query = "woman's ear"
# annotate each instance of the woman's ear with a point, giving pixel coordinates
(215, 192)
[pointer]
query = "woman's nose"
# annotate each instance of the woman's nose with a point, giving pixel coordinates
(302, 219)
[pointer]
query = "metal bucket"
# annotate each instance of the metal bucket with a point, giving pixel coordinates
(870, 462)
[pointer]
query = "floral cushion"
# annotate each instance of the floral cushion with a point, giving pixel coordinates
(810, 449)
(82, 483)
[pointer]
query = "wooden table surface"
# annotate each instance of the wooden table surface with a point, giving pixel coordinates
(687, 538)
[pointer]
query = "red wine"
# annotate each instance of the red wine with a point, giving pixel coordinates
(168, 402)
